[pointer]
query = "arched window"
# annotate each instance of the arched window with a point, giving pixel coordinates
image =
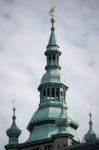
(53, 58)
(64, 94)
(53, 92)
(57, 92)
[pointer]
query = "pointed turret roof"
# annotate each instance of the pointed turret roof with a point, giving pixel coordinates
(13, 132)
(91, 135)
(52, 44)
(52, 39)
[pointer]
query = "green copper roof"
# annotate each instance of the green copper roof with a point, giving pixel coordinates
(52, 44)
(53, 76)
(50, 117)
(52, 111)
(91, 135)
(48, 130)
(13, 132)
(45, 129)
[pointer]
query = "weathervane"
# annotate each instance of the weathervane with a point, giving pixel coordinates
(52, 12)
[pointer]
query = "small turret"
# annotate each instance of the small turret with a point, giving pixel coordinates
(52, 86)
(52, 50)
(13, 132)
(91, 135)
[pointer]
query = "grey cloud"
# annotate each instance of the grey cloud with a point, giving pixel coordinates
(81, 20)
(91, 63)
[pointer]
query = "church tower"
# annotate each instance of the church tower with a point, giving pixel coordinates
(52, 126)
(52, 120)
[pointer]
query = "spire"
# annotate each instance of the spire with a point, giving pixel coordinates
(13, 132)
(91, 135)
(52, 40)
(90, 122)
(53, 79)
(14, 109)
(52, 87)
(52, 50)
(52, 44)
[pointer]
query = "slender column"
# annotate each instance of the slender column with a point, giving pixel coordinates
(64, 95)
(57, 59)
(41, 95)
(51, 60)
(46, 93)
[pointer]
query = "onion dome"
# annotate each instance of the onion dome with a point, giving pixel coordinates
(53, 76)
(13, 132)
(91, 135)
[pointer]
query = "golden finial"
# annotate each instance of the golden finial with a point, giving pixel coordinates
(52, 12)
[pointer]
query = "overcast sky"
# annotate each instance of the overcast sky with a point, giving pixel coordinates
(24, 34)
